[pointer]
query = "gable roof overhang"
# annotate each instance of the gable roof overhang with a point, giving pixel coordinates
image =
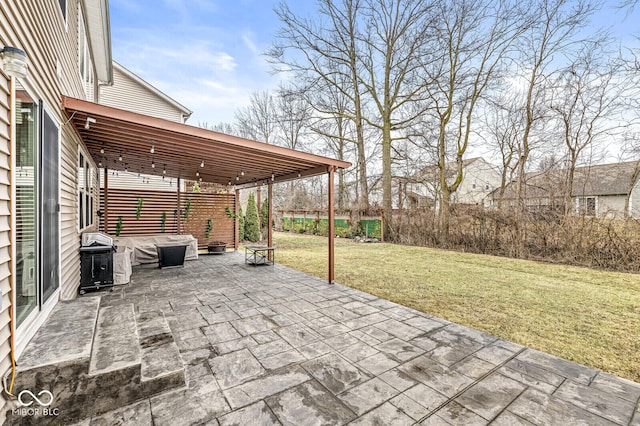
(99, 34)
(179, 149)
(185, 111)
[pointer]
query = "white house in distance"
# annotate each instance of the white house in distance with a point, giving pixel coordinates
(479, 179)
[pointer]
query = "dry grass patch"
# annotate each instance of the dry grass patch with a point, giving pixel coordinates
(588, 316)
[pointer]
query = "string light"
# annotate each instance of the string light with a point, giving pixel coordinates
(164, 171)
(229, 181)
(202, 163)
(273, 176)
(100, 163)
(120, 157)
(241, 172)
(102, 150)
(197, 173)
(153, 165)
(298, 174)
(153, 148)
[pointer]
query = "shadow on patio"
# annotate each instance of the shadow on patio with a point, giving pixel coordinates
(218, 342)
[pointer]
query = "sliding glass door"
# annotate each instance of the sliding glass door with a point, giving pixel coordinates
(37, 229)
(27, 126)
(49, 207)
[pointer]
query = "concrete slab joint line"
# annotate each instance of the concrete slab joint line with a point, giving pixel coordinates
(470, 385)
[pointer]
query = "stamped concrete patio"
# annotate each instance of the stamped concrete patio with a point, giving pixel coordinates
(271, 345)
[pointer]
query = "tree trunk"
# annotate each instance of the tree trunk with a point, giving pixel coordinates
(386, 176)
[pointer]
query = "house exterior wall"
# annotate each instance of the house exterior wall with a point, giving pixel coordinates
(634, 202)
(5, 227)
(128, 94)
(50, 41)
(610, 206)
(479, 179)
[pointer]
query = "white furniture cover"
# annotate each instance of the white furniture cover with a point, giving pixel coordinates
(143, 247)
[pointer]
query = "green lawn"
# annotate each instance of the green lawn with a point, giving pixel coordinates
(588, 316)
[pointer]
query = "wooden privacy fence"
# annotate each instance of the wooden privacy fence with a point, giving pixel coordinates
(202, 215)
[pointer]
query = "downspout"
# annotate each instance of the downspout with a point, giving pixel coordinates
(12, 132)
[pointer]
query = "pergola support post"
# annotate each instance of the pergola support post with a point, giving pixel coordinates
(105, 208)
(178, 209)
(236, 211)
(331, 225)
(270, 219)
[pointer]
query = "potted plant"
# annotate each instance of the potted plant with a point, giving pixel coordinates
(217, 247)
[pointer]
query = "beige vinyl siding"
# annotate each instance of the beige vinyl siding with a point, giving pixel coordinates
(38, 28)
(128, 94)
(5, 227)
(132, 181)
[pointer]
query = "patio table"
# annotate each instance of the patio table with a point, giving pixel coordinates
(259, 255)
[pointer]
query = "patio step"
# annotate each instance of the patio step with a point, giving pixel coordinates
(115, 346)
(95, 359)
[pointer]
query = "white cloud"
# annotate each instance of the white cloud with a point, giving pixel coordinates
(210, 68)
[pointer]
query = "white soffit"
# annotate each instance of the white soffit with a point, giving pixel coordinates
(99, 32)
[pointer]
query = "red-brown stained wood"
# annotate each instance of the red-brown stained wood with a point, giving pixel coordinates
(124, 203)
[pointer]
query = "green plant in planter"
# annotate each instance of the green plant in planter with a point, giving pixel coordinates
(139, 209)
(207, 232)
(119, 226)
(163, 222)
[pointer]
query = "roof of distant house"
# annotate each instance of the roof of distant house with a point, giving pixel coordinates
(594, 180)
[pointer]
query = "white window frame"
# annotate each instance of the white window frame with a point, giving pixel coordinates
(582, 206)
(86, 191)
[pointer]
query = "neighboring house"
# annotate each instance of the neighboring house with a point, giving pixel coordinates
(132, 93)
(479, 179)
(48, 182)
(599, 191)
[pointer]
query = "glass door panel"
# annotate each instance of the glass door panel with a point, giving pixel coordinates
(50, 211)
(26, 119)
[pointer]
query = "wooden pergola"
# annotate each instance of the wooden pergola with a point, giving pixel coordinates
(122, 140)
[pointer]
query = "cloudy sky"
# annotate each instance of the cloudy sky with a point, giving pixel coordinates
(208, 54)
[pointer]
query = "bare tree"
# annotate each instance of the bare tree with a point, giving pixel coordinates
(588, 102)
(393, 49)
(221, 127)
(257, 121)
(551, 35)
(503, 121)
(474, 36)
(322, 55)
(337, 131)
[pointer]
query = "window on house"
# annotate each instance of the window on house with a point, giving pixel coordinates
(587, 206)
(86, 199)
